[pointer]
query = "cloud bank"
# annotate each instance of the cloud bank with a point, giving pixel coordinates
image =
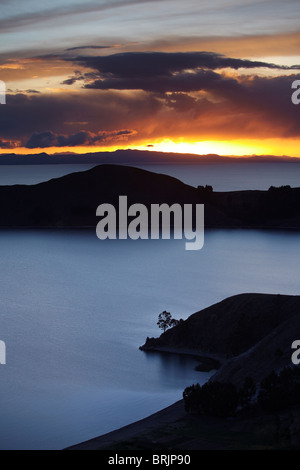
(196, 96)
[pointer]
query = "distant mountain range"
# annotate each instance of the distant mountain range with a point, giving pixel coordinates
(130, 157)
(72, 200)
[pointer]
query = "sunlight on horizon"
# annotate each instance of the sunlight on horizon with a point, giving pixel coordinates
(237, 148)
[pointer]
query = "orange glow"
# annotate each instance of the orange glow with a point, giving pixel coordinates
(248, 46)
(234, 148)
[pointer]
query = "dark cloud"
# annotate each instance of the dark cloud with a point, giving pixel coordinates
(78, 76)
(64, 113)
(42, 140)
(137, 64)
(181, 82)
(29, 91)
(242, 107)
(76, 48)
(8, 144)
(82, 138)
(70, 81)
(159, 71)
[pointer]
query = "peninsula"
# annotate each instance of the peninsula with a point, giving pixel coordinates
(251, 335)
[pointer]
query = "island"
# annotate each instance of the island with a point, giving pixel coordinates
(71, 201)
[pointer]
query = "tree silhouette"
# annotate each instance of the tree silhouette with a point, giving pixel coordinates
(166, 321)
(247, 392)
(213, 398)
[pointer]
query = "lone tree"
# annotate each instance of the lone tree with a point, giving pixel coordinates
(166, 321)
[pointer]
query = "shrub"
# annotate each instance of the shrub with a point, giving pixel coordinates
(280, 391)
(247, 392)
(213, 398)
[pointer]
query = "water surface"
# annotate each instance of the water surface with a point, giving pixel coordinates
(222, 176)
(74, 311)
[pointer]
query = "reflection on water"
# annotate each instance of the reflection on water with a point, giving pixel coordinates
(169, 365)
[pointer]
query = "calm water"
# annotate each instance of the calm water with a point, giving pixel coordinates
(33, 174)
(223, 177)
(234, 176)
(74, 311)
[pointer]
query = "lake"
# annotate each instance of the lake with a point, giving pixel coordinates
(222, 176)
(74, 311)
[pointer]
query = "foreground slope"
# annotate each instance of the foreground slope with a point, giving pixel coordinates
(253, 334)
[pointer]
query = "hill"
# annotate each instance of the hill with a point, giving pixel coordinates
(71, 201)
(251, 334)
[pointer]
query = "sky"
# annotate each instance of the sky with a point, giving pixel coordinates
(189, 77)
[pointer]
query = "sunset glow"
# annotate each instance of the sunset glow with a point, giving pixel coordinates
(149, 224)
(275, 147)
(206, 90)
(235, 148)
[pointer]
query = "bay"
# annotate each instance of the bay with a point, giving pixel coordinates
(74, 311)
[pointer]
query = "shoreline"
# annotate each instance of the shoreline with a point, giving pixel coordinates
(172, 426)
(207, 362)
(156, 420)
(167, 415)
